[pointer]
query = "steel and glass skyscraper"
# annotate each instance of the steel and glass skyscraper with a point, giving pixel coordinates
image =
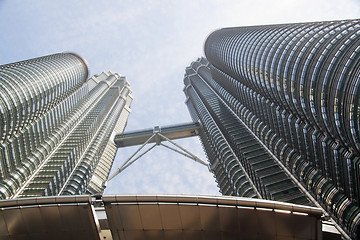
(56, 126)
(279, 108)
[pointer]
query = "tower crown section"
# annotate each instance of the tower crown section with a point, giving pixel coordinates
(309, 69)
(30, 88)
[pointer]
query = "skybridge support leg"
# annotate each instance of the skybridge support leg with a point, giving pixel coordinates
(195, 158)
(158, 137)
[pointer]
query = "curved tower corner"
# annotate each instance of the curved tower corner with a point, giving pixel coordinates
(56, 125)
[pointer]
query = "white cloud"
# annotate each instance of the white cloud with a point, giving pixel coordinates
(258, 12)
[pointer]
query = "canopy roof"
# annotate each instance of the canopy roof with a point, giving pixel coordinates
(156, 217)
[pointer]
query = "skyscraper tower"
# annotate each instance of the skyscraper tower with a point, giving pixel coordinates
(279, 109)
(56, 126)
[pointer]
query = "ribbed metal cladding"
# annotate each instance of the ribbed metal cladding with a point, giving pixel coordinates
(56, 126)
(237, 159)
(35, 97)
(30, 88)
(87, 146)
(296, 87)
(111, 113)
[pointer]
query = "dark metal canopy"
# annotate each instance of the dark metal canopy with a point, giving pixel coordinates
(156, 217)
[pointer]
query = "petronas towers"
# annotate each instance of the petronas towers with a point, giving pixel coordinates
(278, 108)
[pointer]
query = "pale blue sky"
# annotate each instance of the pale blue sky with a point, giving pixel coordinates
(151, 43)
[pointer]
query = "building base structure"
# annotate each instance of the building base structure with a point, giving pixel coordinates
(130, 217)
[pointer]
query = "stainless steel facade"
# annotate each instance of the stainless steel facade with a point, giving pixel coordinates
(56, 126)
(279, 106)
(240, 163)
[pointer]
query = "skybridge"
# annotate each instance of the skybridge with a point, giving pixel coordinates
(156, 137)
(157, 134)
